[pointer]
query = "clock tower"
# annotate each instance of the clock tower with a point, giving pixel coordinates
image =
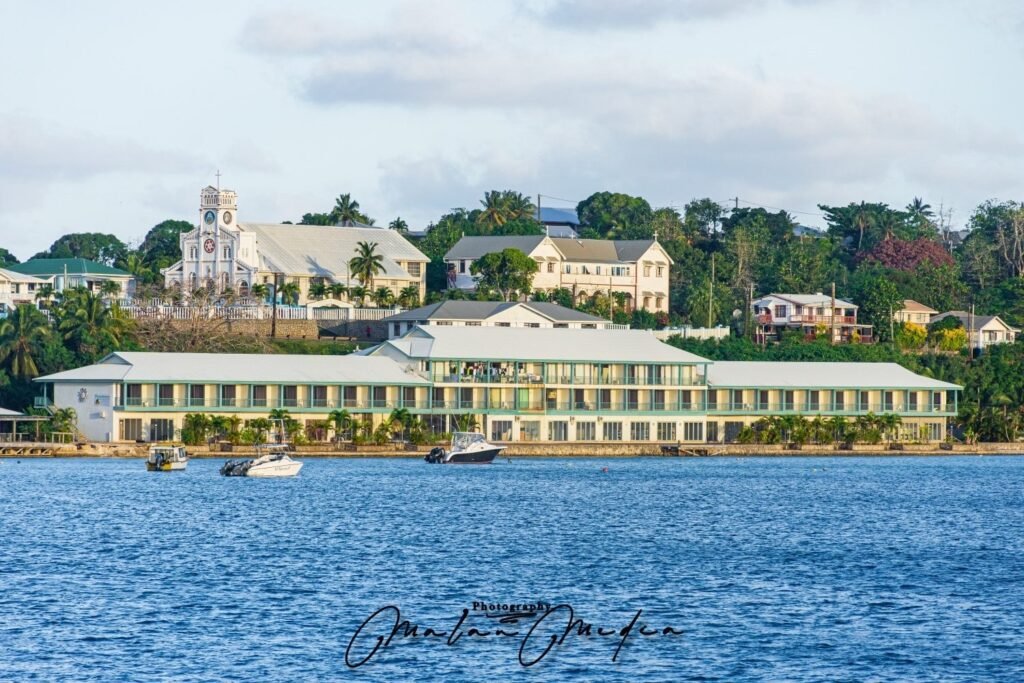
(217, 237)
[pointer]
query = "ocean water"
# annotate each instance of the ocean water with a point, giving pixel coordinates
(802, 569)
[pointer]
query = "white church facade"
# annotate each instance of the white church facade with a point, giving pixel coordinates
(223, 253)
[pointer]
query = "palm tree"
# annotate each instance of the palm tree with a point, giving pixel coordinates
(337, 290)
(341, 421)
(863, 218)
(261, 427)
(290, 293)
(384, 297)
(219, 425)
(518, 206)
(110, 289)
(195, 428)
(366, 264)
(890, 423)
(89, 324)
(819, 430)
(495, 211)
(346, 211)
(20, 335)
(837, 425)
(45, 293)
(402, 418)
(409, 297)
(357, 294)
(259, 291)
(920, 212)
(399, 226)
(317, 290)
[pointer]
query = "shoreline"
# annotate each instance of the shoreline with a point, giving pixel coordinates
(547, 450)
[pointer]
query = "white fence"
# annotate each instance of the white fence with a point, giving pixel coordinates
(693, 332)
(256, 312)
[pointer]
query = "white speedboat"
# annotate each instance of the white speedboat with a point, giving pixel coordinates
(468, 448)
(272, 461)
(166, 458)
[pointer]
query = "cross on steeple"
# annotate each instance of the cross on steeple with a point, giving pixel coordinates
(218, 180)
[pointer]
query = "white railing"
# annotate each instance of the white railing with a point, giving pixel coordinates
(254, 312)
(693, 332)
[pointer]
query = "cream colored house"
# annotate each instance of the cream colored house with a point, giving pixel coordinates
(17, 289)
(914, 312)
(223, 253)
(637, 268)
(985, 330)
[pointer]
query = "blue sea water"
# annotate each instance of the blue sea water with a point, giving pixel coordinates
(802, 569)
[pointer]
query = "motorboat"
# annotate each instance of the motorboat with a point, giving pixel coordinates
(166, 458)
(467, 448)
(272, 460)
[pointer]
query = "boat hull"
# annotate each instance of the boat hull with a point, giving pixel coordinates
(481, 457)
(275, 469)
(166, 467)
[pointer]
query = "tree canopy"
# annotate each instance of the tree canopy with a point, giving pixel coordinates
(508, 272)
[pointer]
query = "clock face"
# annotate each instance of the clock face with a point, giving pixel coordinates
(209, 217)
(226, 218)
(208, 246)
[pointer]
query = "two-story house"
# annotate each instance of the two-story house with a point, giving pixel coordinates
(984, 330)
(914, 312)
(636, 268)
(17, 288)
(811, 314)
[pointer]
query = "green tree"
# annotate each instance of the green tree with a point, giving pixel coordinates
(409, 297)
(509, 272)
(346, 211)
(358, 294)
(384, 297)
(610, 213)
(93, 246)
(879, 299)
(89, 325)
(259, 291)
(7, 258)
(21, 334)
(399, 225)
(162, 245)
(289, 293)
(317, 290)
(340, 421)
(366, 264)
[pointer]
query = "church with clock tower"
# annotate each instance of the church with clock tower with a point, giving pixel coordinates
(225, 254)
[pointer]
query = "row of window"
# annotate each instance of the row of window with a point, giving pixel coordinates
(558, 430)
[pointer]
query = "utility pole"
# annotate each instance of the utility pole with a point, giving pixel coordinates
(736, 203)
(832, 318)
(970, 331)
(711, 289)
(273, 314)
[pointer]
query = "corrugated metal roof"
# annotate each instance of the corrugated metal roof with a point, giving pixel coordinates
(482, 310)
(44, 267)
(324, 251)
(809, 299)
(5, 412)
(474, 247)
(240, 368)
(916, 307)
(536, 344)
(824, 375)
(21, 277)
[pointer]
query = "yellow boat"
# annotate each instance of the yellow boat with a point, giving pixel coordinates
(166, 458)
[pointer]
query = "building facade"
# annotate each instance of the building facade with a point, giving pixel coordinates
(69, 273)
(532, 314)
(17, 289)
(511, 384)
(223, 253)
(809, 314)
(983, 330)
(638, 269)
(914, 312)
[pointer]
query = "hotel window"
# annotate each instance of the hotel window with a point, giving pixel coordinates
(612, 431)
(380, 397)
(413, 269)
(863, 400)
(762, 399)
(197, 395)
(319, 396)
(409, 397)
(788, 400)
(839, 398)
(735, 399)
(161, 430)
(693, 431)
(165, 394)
(131, 429)
(685, 399)
(934, 431)
(712, 399)
(133, 395)
(814, 400)
(437, 399)
(639, 431)
(913, 400)
(712, 432)
(632, 399)
(501, 430)
(887, 400)
(666, 431)
(551, 266)
(259, 395)
(658, 399)
(290, 395)
(227, 394)
(586, 431)
(558, 431)
(529, 430)
(936, 400)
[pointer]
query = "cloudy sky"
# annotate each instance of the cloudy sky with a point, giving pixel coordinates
(114, 114)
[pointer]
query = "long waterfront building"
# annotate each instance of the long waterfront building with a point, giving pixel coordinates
(518, 384)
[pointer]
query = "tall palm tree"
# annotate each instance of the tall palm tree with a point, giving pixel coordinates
(110, 289)
(399, 225)
(890, 424)
(346, 210)
(317, 290)
(20, 335)
(863, 218)
(366, 264)
(384, 297)
(259, 291)
(409, 297)
(45, 293)
(920, 212)
(518, 206)
(495, 211)
(341, 421)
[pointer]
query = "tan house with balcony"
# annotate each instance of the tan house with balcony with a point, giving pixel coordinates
(810, 314)
(914, 312)
(636, 268)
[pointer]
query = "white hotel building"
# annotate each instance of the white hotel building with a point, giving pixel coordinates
(519, 384)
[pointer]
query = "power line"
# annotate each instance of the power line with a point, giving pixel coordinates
(559, 199)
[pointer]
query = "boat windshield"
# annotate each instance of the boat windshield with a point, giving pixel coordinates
(463, 440)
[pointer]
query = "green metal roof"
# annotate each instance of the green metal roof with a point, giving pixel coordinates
(59, 266)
